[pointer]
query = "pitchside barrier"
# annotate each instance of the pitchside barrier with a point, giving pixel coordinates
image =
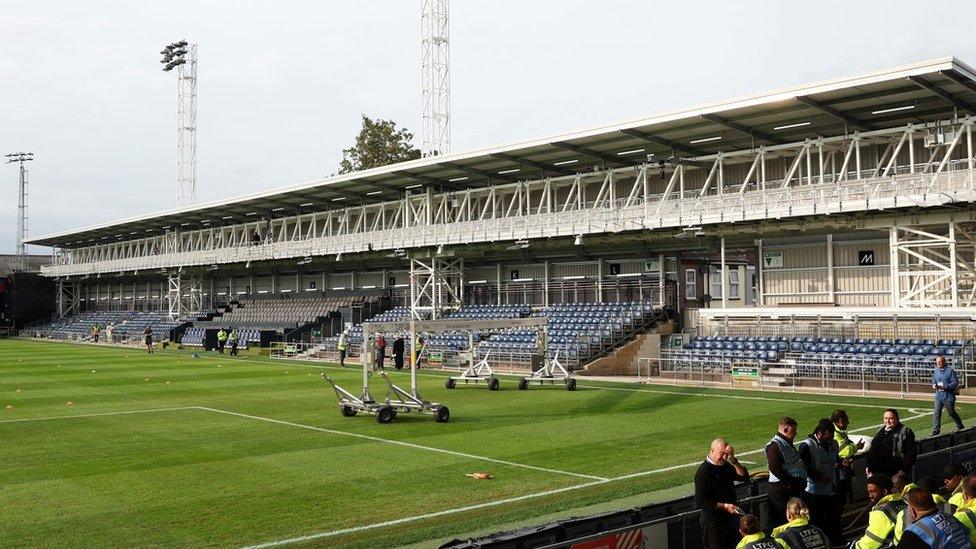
(675, 524)
(893, 375)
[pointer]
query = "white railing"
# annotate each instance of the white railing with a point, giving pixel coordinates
(919, 190)
(898, 375)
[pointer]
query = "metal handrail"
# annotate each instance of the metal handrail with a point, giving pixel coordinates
(660, 520)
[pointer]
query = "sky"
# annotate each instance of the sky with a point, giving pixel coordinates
(282, 85)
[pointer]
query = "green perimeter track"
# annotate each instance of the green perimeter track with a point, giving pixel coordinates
(199, 476)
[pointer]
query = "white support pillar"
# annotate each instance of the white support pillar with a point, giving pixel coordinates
(545, 283)
(498, 283)
(760, 298)
(830, 269)
(911, 148)
(893, 262)
(599, 280)
(954, 270)
(661, 273)
(724, 274)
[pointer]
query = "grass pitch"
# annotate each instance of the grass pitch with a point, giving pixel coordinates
(110, 447)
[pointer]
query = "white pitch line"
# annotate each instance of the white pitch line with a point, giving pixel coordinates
(741, 397)
(435, 514)
(22, 420)
(402, 443)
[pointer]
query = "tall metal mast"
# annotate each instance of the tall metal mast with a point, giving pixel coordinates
(436, 77)
(21, 157)
(183, 57)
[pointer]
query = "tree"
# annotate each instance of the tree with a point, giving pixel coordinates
(379, 143)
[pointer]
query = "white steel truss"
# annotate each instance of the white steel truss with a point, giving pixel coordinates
(69, 298)
(933, 266)
(184, 295)
(436, 77)
(436, 286)
(816, 177)
(174, 295)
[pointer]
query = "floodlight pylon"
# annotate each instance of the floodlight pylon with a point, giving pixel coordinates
(435, 77)
(182, 56)
(21, 158)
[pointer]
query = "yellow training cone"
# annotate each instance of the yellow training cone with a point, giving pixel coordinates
(71, 403)
(10, 406)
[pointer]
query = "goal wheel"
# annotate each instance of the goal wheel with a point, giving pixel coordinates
(385, 414)
(348, 411)
(442, 415)
(450, 383)
(571, 384)
(523, 384)
(493, 384)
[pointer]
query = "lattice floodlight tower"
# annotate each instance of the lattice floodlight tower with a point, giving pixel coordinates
(182, 56)
(436, 77)
(21, 158)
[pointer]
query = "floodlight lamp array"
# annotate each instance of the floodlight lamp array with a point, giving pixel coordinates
(174, 55)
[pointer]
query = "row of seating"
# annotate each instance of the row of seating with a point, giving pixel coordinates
(576, 330)
(194, 337)
(297, 311)
(123, 324)
(832, 340)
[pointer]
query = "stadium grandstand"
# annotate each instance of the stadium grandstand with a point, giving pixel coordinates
(818, 238)
(842, 202)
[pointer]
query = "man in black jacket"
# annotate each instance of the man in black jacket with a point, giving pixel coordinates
(893, 448)
(398, 353)
(715, 495)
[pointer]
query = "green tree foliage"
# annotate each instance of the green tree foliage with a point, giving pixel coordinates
(379, 143)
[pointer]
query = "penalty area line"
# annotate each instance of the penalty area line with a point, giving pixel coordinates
(404, 444)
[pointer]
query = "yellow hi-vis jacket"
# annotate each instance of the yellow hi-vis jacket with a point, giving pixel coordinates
(846, 447)
(967, 516)
(881, 522)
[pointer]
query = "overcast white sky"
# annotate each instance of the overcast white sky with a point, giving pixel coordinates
(282, 84)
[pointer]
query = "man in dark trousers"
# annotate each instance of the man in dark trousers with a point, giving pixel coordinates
(787, 474)
(945, 383)
(819, 455)
(398, 347)
(893, 448)
(715, 495)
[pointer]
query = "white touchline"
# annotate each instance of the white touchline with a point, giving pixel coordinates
(739, 397)
(435, 514)
(401, 443)
(26, 419)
